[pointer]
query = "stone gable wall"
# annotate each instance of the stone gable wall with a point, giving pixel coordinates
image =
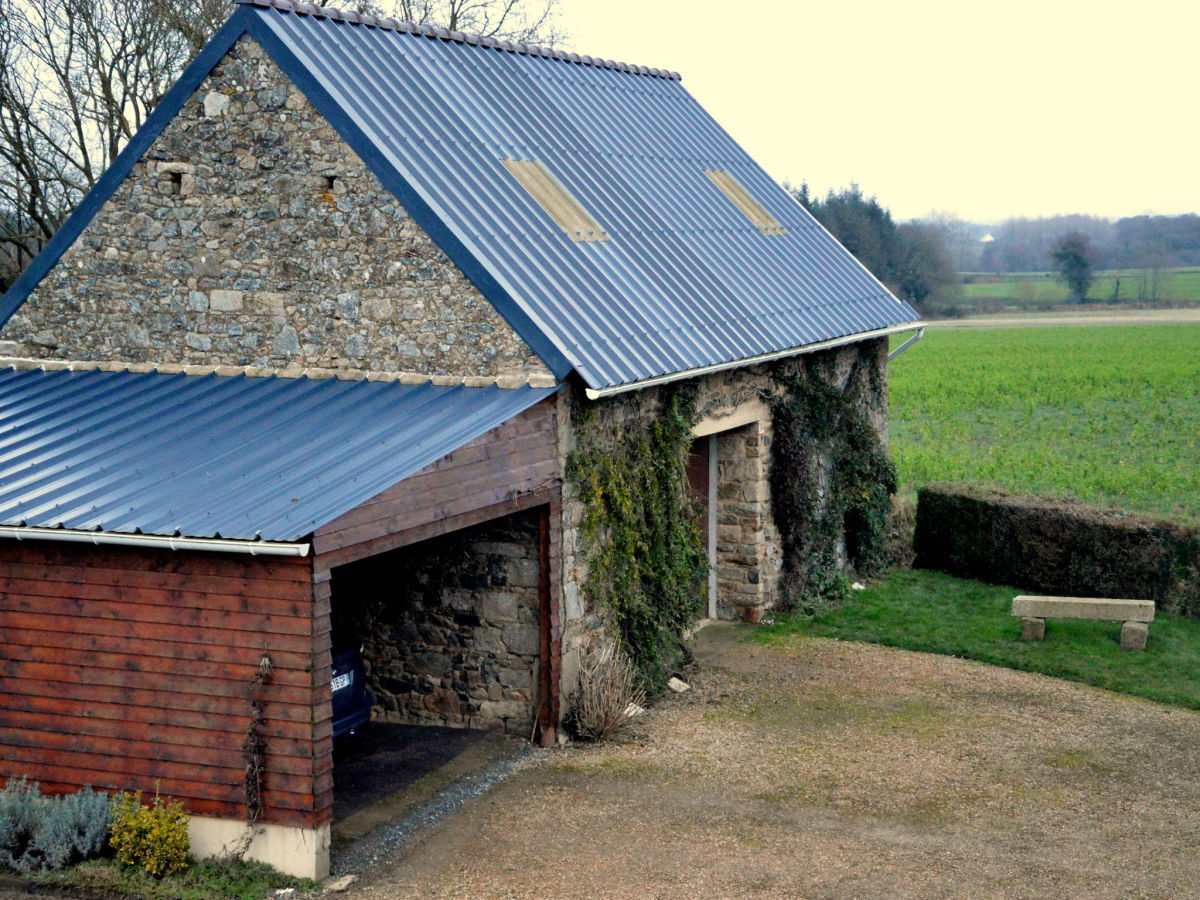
(250, 234)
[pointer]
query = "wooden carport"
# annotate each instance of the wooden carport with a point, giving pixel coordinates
(139, 667)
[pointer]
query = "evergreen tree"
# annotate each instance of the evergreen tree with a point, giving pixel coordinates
(1075, 261)
(911, 259)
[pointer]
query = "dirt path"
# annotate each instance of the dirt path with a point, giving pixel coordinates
(823, 769)
(1108, 317)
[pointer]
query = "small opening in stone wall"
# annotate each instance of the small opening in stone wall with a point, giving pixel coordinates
(176, 182)
(330, 181)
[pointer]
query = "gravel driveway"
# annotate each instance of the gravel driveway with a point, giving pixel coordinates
(816, 768)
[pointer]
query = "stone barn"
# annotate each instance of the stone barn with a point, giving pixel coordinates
(322, 354)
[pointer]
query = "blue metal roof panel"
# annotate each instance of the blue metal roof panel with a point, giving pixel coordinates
(232, 457)
(685, 280)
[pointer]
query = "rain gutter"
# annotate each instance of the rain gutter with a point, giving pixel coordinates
(161, 542)
(912, 340)
(765, 357)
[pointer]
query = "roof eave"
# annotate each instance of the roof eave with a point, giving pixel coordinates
(599, 393)
(155, 541)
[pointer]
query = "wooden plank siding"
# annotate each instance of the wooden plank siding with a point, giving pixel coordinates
(322, 674)
(497, 471)
(129, 669)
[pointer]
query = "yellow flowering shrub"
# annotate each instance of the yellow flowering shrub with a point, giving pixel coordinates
(153, 837)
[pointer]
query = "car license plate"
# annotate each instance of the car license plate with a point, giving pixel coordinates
(342, 681)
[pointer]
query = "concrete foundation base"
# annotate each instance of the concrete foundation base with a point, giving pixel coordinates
(303, 852)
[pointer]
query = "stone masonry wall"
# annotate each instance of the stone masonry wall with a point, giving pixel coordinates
(449, 626)
(250, 234)
(749, 551)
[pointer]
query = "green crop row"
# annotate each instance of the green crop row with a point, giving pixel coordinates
(1109, 416)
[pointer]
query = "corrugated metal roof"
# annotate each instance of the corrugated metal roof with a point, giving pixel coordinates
(685, 280)
(389, 24)
(212, 456)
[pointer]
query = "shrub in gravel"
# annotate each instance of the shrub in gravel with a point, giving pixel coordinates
(607, 693)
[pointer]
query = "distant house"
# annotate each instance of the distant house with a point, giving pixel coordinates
(314, 341)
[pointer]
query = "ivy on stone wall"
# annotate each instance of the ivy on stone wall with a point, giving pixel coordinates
(645, 554)
(831, 481)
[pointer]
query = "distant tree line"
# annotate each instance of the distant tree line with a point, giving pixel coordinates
(1137, 242)
(914, 259)
(922, 260)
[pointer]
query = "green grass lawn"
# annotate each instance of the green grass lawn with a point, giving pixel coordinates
(1034, 289)
(1109, 416)
(935, 613)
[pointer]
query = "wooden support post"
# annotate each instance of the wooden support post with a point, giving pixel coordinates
(547, 712)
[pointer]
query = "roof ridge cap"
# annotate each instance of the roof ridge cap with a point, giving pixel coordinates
(389, 24)
(512, 381)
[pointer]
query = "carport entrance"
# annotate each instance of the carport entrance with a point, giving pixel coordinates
(450, 627)
(388, 771)
(453, 631)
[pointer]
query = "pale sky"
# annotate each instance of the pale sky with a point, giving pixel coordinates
(987, 110)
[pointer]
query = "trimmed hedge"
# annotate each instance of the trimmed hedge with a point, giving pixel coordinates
(1057, 546)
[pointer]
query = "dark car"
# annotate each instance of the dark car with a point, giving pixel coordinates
(351, 699)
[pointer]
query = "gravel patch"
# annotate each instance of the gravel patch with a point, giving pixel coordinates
(818, 768)
(393, 837)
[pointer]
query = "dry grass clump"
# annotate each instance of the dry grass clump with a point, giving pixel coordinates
(608, 692)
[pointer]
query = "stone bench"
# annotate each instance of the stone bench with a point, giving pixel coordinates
(1134, 614)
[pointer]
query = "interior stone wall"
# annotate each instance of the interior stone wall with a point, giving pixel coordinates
(250, 234)
(449, 626)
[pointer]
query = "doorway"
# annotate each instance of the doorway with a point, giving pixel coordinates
(702, 484)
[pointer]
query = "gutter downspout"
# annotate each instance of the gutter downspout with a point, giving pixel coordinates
(593, 394)
(161, 542)
(912, 340)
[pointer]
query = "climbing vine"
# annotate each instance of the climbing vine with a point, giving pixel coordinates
(831, 481)
(646, 556)
(254, 747)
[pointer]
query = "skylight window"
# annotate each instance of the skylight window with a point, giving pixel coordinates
(740, 197)
(551, 196)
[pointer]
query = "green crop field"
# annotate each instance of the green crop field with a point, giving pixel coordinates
(1109, 416)
(1041, 289)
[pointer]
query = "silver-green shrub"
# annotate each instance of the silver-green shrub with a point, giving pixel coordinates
(18, 814)
(38, 832)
